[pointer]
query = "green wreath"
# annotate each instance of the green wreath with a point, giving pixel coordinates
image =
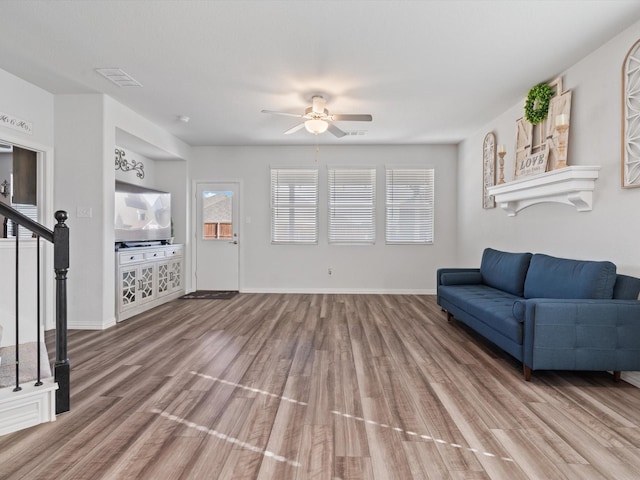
(536, 108)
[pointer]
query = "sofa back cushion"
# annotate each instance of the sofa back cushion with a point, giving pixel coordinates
(504, 270)
(626, 288)
(551, 277)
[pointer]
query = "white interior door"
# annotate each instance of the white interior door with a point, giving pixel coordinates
(217, 236)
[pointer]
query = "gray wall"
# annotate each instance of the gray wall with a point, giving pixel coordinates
(303, 268)
(612, 229)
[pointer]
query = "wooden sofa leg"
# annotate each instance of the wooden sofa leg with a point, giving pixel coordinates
(527, 373)
(616, 375)
(449, 316)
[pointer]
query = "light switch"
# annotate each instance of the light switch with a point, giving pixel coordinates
(84, 212)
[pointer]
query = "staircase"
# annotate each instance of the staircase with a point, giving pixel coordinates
(29, 394)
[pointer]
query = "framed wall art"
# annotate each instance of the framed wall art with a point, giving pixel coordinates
(541, 143)
(488, 169)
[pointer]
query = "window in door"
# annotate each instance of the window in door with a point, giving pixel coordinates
(217, 215)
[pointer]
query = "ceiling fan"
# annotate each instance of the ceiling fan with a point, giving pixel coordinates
(317, 118)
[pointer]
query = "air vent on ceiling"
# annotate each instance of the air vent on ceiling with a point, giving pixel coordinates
(119, 77)
(356, 133)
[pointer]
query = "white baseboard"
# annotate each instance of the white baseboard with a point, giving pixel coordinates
(28, 407)
(343, 291)
(91, 326)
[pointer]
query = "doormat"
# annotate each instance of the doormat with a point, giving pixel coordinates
(210, 295)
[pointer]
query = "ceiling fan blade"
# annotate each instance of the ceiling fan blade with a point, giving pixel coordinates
(297, 115)
(355, 117)
(294, 129)
(336, 131)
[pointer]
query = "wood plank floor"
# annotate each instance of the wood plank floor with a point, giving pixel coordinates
(267, 386)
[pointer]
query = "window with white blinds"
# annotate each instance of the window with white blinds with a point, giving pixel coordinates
(352, 205)
(409, 207)
(30, 211)
(294, 205)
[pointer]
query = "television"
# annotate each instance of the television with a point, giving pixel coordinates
(141, 214)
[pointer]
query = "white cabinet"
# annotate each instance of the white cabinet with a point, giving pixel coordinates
(147, 277)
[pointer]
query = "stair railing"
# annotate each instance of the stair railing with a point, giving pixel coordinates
(59, 237)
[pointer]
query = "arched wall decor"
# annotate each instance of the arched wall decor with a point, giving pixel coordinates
(488, 169)
(631, 118)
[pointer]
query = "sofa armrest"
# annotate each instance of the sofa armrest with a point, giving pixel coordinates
(580, 334)
(458, 276)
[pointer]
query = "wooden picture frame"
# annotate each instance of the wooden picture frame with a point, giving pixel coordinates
(537, 146)
(488, 169)
(630, 155)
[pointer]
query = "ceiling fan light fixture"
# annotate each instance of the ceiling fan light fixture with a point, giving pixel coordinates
(318, 104)
(316, 126)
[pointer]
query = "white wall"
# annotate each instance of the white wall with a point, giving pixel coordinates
(80, 184)
(86, 128)
(612, 229)
(27, 294)
(27, 102)
(173, 176)
(290, 268)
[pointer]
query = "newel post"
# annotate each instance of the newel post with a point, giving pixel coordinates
(61, 266)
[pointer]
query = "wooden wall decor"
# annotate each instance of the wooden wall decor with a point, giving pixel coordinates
(524, 141)
(488, 169)
(537, 146)
(631, 118)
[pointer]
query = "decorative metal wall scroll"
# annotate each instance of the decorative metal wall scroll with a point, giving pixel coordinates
(125, 165)
(631, 118)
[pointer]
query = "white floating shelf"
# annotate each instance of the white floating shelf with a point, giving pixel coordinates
(571, 186)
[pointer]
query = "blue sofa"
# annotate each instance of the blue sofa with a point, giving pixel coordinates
(550, 313)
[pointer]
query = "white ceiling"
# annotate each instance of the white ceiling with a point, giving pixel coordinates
(428, 71)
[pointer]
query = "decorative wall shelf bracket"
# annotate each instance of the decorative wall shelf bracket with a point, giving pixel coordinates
(571, 186)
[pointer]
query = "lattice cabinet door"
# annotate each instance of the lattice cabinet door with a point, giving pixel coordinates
(163, 279)
(175, 275)
(128, 287)
(146, 283)
(136, 285)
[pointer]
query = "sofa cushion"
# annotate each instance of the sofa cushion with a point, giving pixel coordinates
(551, 277)
(488, 305)
(504, 270)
